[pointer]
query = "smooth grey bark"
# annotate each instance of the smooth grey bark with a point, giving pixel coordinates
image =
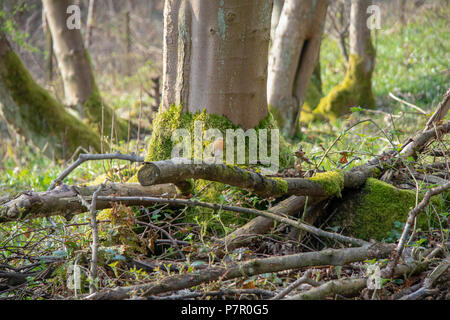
(80, 89)
(360, 40)
(70, 54)
(293, 57)
(276, 13)
(215, 57)
(356, 88)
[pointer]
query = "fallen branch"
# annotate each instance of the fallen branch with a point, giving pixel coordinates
(218, 293)
(294, 204)
(247, 269)
(174, 171)
(440, 113)
(94, 245)
(352, 287)
(343, 287)
(429, 282)
(64, 200)
(260, 225)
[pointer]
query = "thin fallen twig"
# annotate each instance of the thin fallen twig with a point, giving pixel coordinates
(246, 269)
(305, 279)
(217, 207)
(429, 281)
(87, 157)
(407, 103)
(95, 241)
(172, 240)
(217, 293)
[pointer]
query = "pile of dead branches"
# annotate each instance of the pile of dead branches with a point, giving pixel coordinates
(354, 268)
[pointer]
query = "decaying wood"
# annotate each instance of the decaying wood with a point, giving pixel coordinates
(173, 171)
(247, 269)
(259, 225)
(351, 287)
(440, 113)
(64, 200)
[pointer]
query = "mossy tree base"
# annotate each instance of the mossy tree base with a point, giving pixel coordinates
(166, 122)
(355, 90)
(35, 114)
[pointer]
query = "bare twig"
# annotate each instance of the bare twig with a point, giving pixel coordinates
(429, 281)
(173, 241)
(389, 270)
(216, 207)
(305, 279)
(407, 103)
(86, 157)
(94, 261)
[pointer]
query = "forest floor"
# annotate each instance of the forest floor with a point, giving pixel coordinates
(411, 64)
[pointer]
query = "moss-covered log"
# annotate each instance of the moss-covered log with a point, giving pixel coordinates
(372, 211)
(322, 185)
(65, 200)
(35, 114)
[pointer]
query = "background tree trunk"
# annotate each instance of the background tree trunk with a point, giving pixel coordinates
(293, 57)
(276, 13)
(80, 88)
(90, 23)
(34, 114)
(215, 57)
(356, 89)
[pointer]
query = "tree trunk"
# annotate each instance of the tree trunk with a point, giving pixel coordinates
(90, 23)
(80, 89)
(33, 113)
(276, 13)
(356, 89)
(215, 57)
(293, 57)
(48, 48)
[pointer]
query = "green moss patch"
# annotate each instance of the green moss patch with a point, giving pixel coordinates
(332, 182)
(373, 211)
(39, 117)
(355, 90)
(161, 144)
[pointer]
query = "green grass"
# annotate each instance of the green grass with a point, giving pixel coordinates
(413, 64)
